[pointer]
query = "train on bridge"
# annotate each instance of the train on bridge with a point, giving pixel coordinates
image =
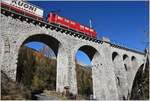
(28, 9)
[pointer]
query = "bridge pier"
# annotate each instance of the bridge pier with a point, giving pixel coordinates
(110, 85)
(66, 74)
(7, 60)
(61, 80)
(1, 50)
(98, 76)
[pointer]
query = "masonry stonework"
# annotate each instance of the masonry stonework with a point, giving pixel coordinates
(105, 71)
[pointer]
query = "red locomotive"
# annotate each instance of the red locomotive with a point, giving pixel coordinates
(56, 19)
(30, 10)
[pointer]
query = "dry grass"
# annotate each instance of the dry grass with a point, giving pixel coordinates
(10, 90)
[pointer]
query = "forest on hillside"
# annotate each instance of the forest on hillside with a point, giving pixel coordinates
(140, 89)
(38, 72)
(35, 71)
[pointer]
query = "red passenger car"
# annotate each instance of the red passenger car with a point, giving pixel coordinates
(56, 19)
(22, 7)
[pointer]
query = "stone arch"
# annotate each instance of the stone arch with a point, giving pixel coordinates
(114, 55)
(89, 50)
(47, 39)
(96, 61)
(121, 79)
(133, 58)
(134, 62)
(125, 56)
(126, 62)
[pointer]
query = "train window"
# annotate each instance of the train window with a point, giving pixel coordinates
(66, 20)
(60, 18)
(81, 26)
(72, 22)
(86, 28)
(91, 30)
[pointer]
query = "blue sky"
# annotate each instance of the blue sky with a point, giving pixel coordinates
(124, 22)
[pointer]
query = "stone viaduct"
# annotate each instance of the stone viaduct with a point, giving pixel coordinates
(113, 67)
